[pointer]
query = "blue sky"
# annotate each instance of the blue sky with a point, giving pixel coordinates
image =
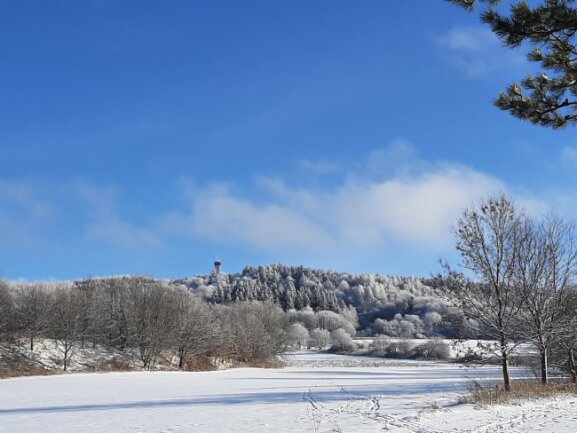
(152, 137)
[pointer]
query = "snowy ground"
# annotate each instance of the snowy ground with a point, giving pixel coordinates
(318, 393)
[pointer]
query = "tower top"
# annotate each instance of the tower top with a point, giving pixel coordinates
(217, 264)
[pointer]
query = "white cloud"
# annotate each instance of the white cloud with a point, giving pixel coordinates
(391, 200)
(476, 51)
(414, 205)
(468, 39)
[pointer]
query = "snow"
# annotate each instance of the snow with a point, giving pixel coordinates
(316, 393)
(47, 354)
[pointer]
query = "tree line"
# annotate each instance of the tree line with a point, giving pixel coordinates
(406, 307)
(151, 319)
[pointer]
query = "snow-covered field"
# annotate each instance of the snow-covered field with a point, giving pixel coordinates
(317, 393)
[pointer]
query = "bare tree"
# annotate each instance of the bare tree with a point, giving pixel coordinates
(566, 346)
(488, 238)
(546, 270)
(93, 318)
(151, 319)
(195, 328)
(31, 302)
(113, 307)
(6, 311)
(251, 331)
(65, 325)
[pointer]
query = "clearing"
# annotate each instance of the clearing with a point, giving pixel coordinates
(316, 393)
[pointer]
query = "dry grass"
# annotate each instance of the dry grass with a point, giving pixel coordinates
(116, 365)
(257, 363)
(529, 390)
(268, 364)
(199, 363)
(32, 371)
(13, 364)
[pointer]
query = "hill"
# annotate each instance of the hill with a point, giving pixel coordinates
(391, 305)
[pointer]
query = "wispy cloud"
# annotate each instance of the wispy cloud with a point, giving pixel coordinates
(391, 199)
(410, 205)
(26, 195)
(476, 51)
(34, 215)
(25, 210)
(106, 225)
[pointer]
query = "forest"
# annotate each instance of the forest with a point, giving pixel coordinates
(247, 317)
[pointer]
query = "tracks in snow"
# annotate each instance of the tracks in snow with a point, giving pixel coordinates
(553, 415)
(355, 405)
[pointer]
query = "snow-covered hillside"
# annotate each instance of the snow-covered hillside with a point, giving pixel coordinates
(317, 393)
(392, 305)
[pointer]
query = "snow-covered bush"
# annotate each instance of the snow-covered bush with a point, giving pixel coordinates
(403, 326)
(379, 347)
(342, 341)
(431, 319)
(399, 349)
(433, 349)
(297, 335)
(320, 338)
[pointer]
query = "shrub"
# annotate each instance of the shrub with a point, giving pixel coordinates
(379, 347)
(433, 349)
(342, 341)
(297, 335)
(321, 338)
(494, 394)
(399, 349)
(116, 364)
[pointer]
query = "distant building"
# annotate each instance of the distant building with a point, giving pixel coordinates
(217, 264)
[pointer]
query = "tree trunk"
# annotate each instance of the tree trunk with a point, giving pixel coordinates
(572, 366)
(505, 364)
(544, 374)
(32, 343)
(506, 377)
(181, 355)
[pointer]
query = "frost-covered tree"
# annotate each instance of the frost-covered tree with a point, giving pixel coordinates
(433, 349)
(6, 310)
(31, 303)
(431, 319)
(194, 328)
(566, 345)
(254, 331)
(297, 335)
(151, 318)
(342, 341)
(65, 325)
(545, 275)
(488, 237)
(321, 338)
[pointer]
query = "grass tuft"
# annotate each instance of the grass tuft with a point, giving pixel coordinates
(529, 390)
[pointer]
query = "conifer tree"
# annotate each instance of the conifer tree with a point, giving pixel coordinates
(549, 28)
